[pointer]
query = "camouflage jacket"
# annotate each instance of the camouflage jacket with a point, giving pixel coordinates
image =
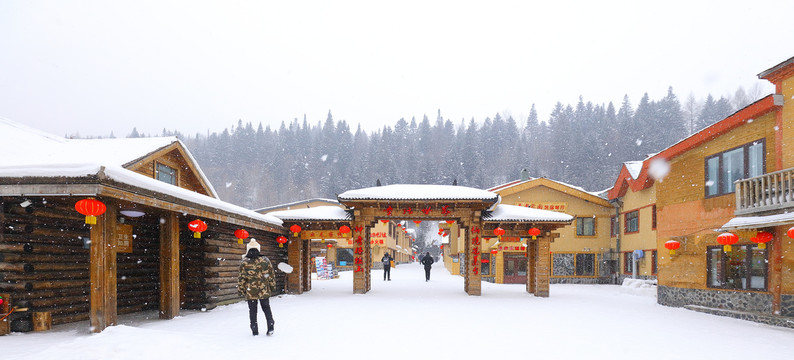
(257, 279)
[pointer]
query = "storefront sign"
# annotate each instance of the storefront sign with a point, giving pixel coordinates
(124, 238)
(553, 206)
(323, 234)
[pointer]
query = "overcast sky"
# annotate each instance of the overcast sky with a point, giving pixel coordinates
(92, 67)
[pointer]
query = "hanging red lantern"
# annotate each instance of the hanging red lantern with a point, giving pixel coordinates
(790, 232)
(417, 222)
(441, 247)
(330, 245)
(197, 227)
(494, 251)
(344, 229)
(281, 240)
(499, 232)
(672, 245)
(240, 234)
(385, 221)
(450, 221)
(534, 232)
(726, 240)
(91, 208)
(762, 238)
(296, 229)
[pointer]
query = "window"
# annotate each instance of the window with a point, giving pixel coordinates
(653, 217)
(723, 169)
(628, 267)
(485, 264)
(744, 268)
(344, 256)
(614, 226)
(165, 173)
(585, 226)
(632, 222)
(585, 264)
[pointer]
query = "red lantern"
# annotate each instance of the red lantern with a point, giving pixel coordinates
(499, 232)
(281, 240)
(91, 208)
(417, 222)
(450, 221)
(296, 229)
(790, 232)
(441, 247)
(330, 245)
(672, 245)
(240, 234)
(762, 238)
(197, 227)
(494, 251)
(726, 240)
(344, 229)
(534, 232)
(385, 221)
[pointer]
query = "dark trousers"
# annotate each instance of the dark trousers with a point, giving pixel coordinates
(427, 273)
(387, 272)
(265, 303)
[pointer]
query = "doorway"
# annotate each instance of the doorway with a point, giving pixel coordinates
(515, 269)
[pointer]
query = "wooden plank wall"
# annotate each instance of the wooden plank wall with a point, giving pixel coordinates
(45, 266)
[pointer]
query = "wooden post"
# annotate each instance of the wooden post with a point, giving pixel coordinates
(473, 279)
(102, 267)
(361, 262)
(307, 265)
(295, 259)
(42, 321)
(169, 266)
(532, 266)
(542, 267)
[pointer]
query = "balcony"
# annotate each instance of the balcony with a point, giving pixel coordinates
(765, 193)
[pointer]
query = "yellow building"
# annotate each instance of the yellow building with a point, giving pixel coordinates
(583, 252)
(634, 227)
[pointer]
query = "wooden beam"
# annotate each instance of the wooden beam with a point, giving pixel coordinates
(169, 266)
(102, 268)
(295, 259)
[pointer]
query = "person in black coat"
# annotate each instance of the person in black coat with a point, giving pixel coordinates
(386, 260)
(427, 261)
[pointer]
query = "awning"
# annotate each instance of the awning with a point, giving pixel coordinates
(755, 222)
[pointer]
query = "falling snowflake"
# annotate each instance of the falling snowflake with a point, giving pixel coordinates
(228, 185)
(658, 169)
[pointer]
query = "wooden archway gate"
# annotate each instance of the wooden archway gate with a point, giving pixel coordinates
(476, 211)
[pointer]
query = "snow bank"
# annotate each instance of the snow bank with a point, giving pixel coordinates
(639, 287)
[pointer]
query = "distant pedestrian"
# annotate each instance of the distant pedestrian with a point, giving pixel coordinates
(386, 260)
(257, 281)
(427, 261)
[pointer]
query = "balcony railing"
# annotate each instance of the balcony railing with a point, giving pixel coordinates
(768, 192)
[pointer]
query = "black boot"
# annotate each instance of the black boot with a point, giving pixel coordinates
(255, 329)
(270, 329)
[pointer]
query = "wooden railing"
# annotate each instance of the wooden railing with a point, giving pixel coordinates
(772, 191)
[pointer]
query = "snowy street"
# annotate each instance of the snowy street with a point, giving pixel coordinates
(410, 318)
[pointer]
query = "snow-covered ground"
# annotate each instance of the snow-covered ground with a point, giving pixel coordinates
(410, 318)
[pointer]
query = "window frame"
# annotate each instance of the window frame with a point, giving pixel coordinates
(723, 273)
(626, 222)
(614, 226)
(720, 166)
(653, 217)
(654, 261)
(577, 226)
(157, 172)
(592, 264)
(627, 257)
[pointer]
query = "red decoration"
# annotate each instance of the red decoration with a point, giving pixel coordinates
(534, 232)
(499, 232)
(296, 229)
(486, 260)
(790, 232)
(197, 227)
(441, 247)
(762, 238)
(385, 221)
(330, 245)
(344, 229)
(91, 208)
(426, 210)
(407, 211)
(672, 245)
(240, 234)
(726, 240)
(359, 228)
(388, 210)
(494, 251)
(281, 240)
(445, 210)
(417, 222)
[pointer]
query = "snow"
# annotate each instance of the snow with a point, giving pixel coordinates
(754, 222)
(315, 213)
(29, 152)
(286, 268)
(634, 168)
(524, 214)
(410, 318)
(418, 192)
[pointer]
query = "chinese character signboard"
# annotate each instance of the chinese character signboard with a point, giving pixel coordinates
(553, 206)
(123, 238)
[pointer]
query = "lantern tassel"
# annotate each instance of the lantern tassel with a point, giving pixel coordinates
(727, 248)
(295, 234)
(762, 246)
(239, 241)
(90, 219)
(672, 252)
(280, 245)
(197, 235)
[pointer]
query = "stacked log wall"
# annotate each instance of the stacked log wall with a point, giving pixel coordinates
(138, 272)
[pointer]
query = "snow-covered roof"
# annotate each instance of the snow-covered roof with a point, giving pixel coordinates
(418, 192)
(634, 168)
(524, 214)
(296, 203)
(754, 222)
(328, 213)
(52, 156)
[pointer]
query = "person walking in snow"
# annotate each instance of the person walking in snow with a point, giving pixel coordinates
(257, 281)
(386, 260)
(427, 261)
